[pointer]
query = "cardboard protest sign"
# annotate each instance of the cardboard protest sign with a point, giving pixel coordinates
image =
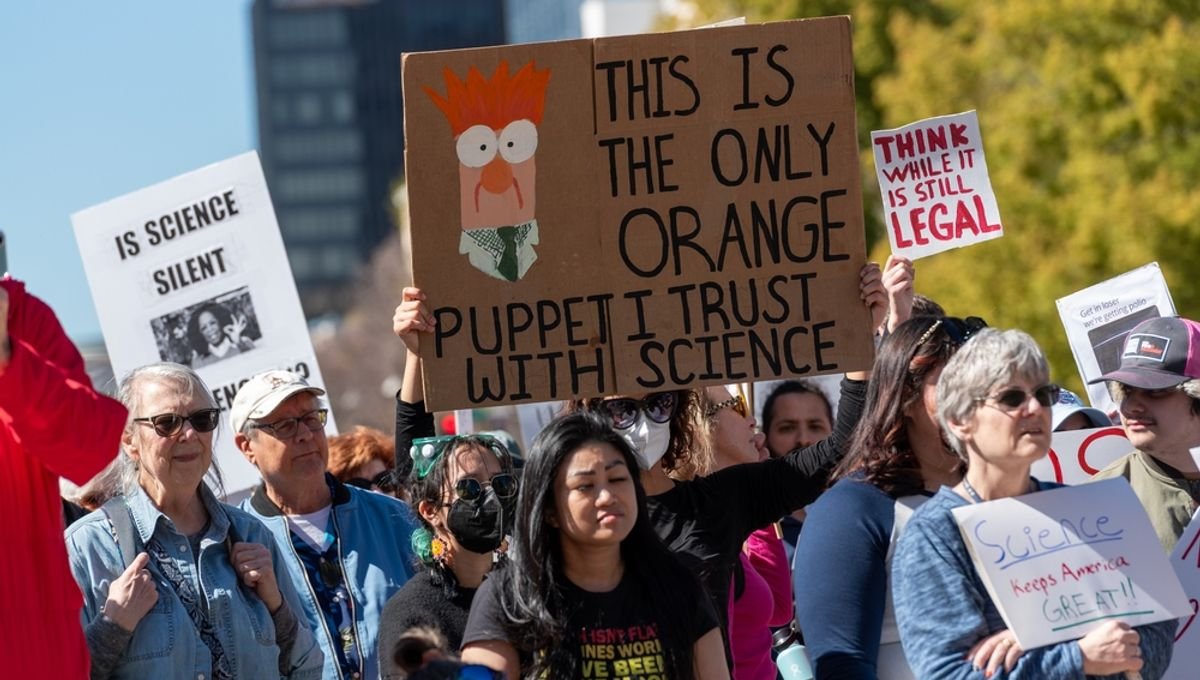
(193, 270)
(636, 213)
(934, 182)
(1098, 318)
(1076, 455)
(1186, 561)
(1059, 563)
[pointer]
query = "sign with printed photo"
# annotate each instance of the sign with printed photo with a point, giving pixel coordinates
(636, 213)
(1059, 563)
(193, 270)
(1098, 319)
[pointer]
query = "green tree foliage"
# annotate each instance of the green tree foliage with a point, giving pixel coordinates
(1090, 112)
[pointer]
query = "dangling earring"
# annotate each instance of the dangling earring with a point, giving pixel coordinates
(437, 547)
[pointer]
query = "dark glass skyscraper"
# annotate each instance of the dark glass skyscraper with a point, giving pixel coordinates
(330, 120)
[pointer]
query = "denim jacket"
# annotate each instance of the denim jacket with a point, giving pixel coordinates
(166, 644)
(376, 554)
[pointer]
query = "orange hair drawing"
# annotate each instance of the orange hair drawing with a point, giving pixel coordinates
(493, 102)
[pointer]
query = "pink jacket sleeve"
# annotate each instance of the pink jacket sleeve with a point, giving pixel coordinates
(765, 551)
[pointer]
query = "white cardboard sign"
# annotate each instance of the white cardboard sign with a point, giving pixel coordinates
(1098, 318)
(193, 270)
(934, 182)
(1186, 561)
(1076, 455)
(1059, 563)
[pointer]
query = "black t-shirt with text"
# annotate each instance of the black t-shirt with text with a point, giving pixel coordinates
(611, 634)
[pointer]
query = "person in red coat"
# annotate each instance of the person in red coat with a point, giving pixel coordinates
(52, 424)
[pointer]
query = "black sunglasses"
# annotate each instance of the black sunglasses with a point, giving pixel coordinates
(383, 481)
(658, 407)
(504, 485)
(171, 424)
(1014, 398)
(331, 573)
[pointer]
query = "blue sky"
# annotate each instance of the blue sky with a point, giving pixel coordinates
(98, 99)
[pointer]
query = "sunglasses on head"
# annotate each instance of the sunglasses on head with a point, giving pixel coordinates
(427, 451)
(1015, 398)
(736, 402)
(958, 330)
(659, 407)
(504, 485)
(171, 424)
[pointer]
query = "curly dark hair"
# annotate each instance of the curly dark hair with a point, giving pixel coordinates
(223, 316)
(684, 434)
(879, 449)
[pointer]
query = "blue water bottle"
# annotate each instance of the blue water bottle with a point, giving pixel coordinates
(791, 660)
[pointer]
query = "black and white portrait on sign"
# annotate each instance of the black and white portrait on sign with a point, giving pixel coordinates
(210, 331)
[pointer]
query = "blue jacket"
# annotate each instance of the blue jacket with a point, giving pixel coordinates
(165, 643)
(377, 560)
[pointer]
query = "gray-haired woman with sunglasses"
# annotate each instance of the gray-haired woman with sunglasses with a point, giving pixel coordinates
(464, 490)
(175, 583)
(993, 403)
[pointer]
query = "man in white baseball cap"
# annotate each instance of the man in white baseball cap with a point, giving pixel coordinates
(350, 547)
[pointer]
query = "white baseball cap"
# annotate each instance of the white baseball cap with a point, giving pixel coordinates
(264, 392)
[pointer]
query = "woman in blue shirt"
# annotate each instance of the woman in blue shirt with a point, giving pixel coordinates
(994, 400)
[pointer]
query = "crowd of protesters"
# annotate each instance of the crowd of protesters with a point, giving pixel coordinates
(645, 535)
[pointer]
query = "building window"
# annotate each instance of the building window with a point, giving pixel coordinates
(338, 262)
(326, 184)
(310, 28)
(331, 68)
(308, 108)
(303, 262)
(316, 224)
(318, 146)
(341, 106)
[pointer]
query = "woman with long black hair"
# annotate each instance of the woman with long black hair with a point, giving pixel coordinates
(590, 591)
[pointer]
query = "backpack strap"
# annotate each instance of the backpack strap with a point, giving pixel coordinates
(121, 523)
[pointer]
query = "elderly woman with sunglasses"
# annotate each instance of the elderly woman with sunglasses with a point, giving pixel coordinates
(993, 403)
(175, 583)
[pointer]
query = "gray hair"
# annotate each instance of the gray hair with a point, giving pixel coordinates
(988, 360)
(129, 393)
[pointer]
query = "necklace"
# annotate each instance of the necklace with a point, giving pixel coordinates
(976, 498)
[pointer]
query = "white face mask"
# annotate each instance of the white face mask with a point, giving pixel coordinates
(649, 440)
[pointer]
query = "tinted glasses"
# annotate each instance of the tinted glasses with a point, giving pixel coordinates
(659, 407)
(1015, 398)
(171, 424)
(286, 428)
(504, 485)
